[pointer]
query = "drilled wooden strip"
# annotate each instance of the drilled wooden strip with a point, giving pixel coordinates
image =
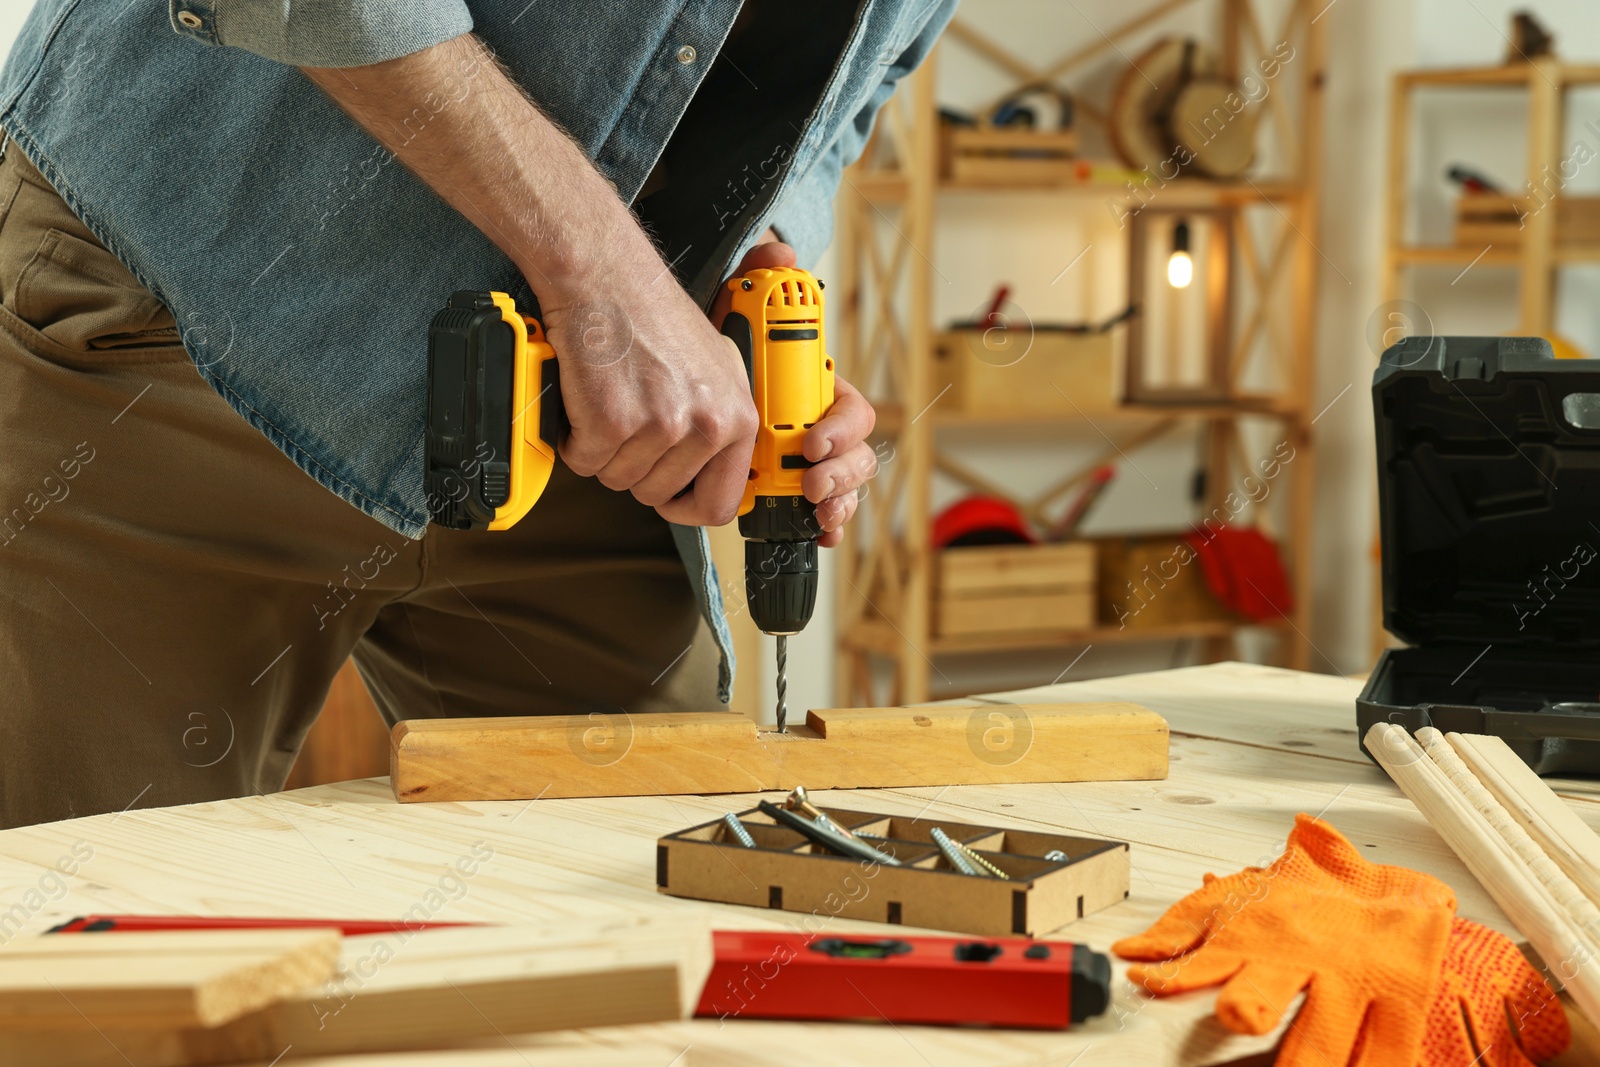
(712, 752)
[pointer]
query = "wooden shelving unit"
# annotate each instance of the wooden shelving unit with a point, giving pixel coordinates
(1538, 253)
(883, 336)
(1546, 81)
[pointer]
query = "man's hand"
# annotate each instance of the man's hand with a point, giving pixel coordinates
(837, 444)
(657, 398)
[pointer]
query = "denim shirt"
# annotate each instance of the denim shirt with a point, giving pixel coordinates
(303, 264)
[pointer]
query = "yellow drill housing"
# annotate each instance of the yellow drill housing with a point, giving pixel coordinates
(791, 374)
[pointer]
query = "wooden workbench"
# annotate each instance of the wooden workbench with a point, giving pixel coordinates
(1251, 746)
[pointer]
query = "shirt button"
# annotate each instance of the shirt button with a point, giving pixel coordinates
(686, 54)
(190, 19)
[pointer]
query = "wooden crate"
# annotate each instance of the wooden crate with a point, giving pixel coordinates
(1490, 219)
(1023, 371)
(1153, 581)
(1014, 588)
(786, 871)
(986, 155)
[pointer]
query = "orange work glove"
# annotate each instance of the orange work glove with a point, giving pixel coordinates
(1364, 941)
(1490, 1007)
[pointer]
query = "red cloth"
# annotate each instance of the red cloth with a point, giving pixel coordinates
(1244, 571)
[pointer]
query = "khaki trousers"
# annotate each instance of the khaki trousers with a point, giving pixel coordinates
(176, 596)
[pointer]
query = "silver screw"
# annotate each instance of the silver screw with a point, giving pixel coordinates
(737, 831)
(985, 865)
(954, 855)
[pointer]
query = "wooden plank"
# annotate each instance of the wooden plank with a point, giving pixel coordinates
(1530, 902)
(1572, 845)
(156, 980)
(988, 569)
(421, 990)
(1002, 613)
(520, 758)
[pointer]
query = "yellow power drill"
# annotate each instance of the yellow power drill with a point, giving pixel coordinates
(495, 418)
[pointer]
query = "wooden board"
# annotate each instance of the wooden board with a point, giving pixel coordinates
(1152, 581)
(92, 982)
(400, 991)
(1025, 371)
(1487, 218)
(1007, 155)
(989, 569)
(1251, 746)
(521, 758)
(1002, 613)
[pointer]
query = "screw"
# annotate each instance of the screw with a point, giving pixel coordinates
(799, 800)
(737, 831)
(828, 838)
(952, 853)
(985, 865)
(1055, 855)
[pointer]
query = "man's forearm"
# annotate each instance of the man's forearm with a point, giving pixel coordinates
(450, 114)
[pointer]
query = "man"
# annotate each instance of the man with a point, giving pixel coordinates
(279, 197)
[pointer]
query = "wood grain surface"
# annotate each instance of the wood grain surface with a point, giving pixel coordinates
(556, 756)
(91, 982)
(1251, 746)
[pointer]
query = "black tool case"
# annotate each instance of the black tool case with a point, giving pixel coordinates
(1489, 512)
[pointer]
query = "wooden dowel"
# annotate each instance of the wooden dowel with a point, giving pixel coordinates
(1566, 838)
(1578, 907)
(1568, 955)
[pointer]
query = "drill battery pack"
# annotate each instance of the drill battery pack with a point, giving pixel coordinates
(1489, 519)
(495, 415)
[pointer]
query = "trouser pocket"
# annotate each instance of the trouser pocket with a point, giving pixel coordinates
(65, 296)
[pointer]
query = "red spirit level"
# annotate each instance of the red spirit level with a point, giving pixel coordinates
(1008, 981)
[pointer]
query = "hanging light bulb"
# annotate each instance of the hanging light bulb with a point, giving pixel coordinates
(1180, 268)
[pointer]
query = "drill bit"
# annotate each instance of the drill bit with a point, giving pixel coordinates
(783, 682)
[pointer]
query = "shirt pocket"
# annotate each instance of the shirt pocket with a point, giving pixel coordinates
(85, 307)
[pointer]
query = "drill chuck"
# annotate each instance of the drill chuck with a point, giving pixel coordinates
(780, 562)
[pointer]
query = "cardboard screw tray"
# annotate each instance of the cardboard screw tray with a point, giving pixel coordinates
(785, 870)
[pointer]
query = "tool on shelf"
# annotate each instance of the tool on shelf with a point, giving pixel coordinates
(1529, 39)
(1472, 181)
(1007, 981)
(991, 318)
(1066, 528)
(495, 420)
